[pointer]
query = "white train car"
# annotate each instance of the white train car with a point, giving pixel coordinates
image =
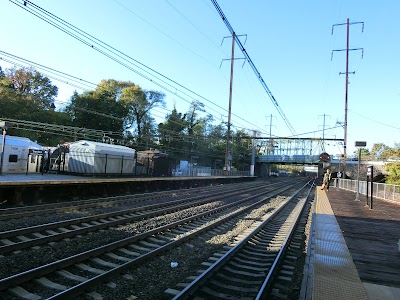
(21, 155)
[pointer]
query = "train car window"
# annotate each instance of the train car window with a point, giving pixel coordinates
(13, 158)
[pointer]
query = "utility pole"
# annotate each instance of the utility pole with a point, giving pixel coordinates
(323, 131)
(228, 152)
(228, 135)
(248, 59)
(347, 80)
(270, 125)
(270, 148)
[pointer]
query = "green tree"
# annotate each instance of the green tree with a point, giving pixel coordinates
(392, 152)
(149, 132)
(2, 74)
(27, 95)
(378, 150)
(100, 109)
(138, 103)
(241, 150)
(32, 85)
(216, 141)
(197, 131)
(365, 154)
(393, 170)
(172, 134)
(24, 93)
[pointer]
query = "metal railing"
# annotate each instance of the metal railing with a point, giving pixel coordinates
(198, 172)
(388, 192)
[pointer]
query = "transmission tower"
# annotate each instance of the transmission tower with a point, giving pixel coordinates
(347, 49)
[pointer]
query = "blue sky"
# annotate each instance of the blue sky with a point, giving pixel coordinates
(290, 43)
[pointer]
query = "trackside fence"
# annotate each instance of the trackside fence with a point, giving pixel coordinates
(215, 172)
(388, 192)
(199, 172)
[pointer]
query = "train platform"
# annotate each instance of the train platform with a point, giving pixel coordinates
(354, 250)
(53, 178)
(37, 188)
(8, 179)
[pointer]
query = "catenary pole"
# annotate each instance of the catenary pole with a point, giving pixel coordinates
(347, 83)
(228, 134)
(252, 65)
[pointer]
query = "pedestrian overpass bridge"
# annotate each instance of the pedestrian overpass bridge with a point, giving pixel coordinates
(290, 150)
(289, 159)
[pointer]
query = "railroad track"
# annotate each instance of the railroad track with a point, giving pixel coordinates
(32, 236)
(260, 264)
(72, 276)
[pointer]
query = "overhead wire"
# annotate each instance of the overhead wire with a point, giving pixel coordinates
(194, 26)
(76, 32)
(373, 120)
(191, 23)
(248, 59)
(164, 33)
(216, 46)
(47, 75)
(49, 72)
(62, 74)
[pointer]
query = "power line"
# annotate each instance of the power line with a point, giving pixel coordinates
(387, 125)
(108, 51)
(62, 75)
(191, 23)
(65, 78)
(159, 30)
(239, 43)
(62, 129)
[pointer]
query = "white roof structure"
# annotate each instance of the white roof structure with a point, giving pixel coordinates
(100, 148)
(20, 141)
(86, 157)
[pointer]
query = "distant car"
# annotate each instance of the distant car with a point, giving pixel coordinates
(177, 173)
(276, 174)
(394, 159)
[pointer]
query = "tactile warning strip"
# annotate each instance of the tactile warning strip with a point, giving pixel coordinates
(335, 275)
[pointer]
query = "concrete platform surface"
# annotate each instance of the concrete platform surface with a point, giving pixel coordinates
(372, 237)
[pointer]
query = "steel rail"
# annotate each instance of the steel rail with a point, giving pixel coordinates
(190, 289)
(66, 262)
(75, 291)
(280, 256)
(176, 205)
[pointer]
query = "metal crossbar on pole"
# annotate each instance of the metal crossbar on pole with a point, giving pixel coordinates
(246, 55)
(348, 23)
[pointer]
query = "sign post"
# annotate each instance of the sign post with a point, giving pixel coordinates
(359, 145)
(370, 174)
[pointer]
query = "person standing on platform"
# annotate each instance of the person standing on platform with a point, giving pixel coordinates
(326, 180)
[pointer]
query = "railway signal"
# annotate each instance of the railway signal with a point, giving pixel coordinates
(324, 157)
